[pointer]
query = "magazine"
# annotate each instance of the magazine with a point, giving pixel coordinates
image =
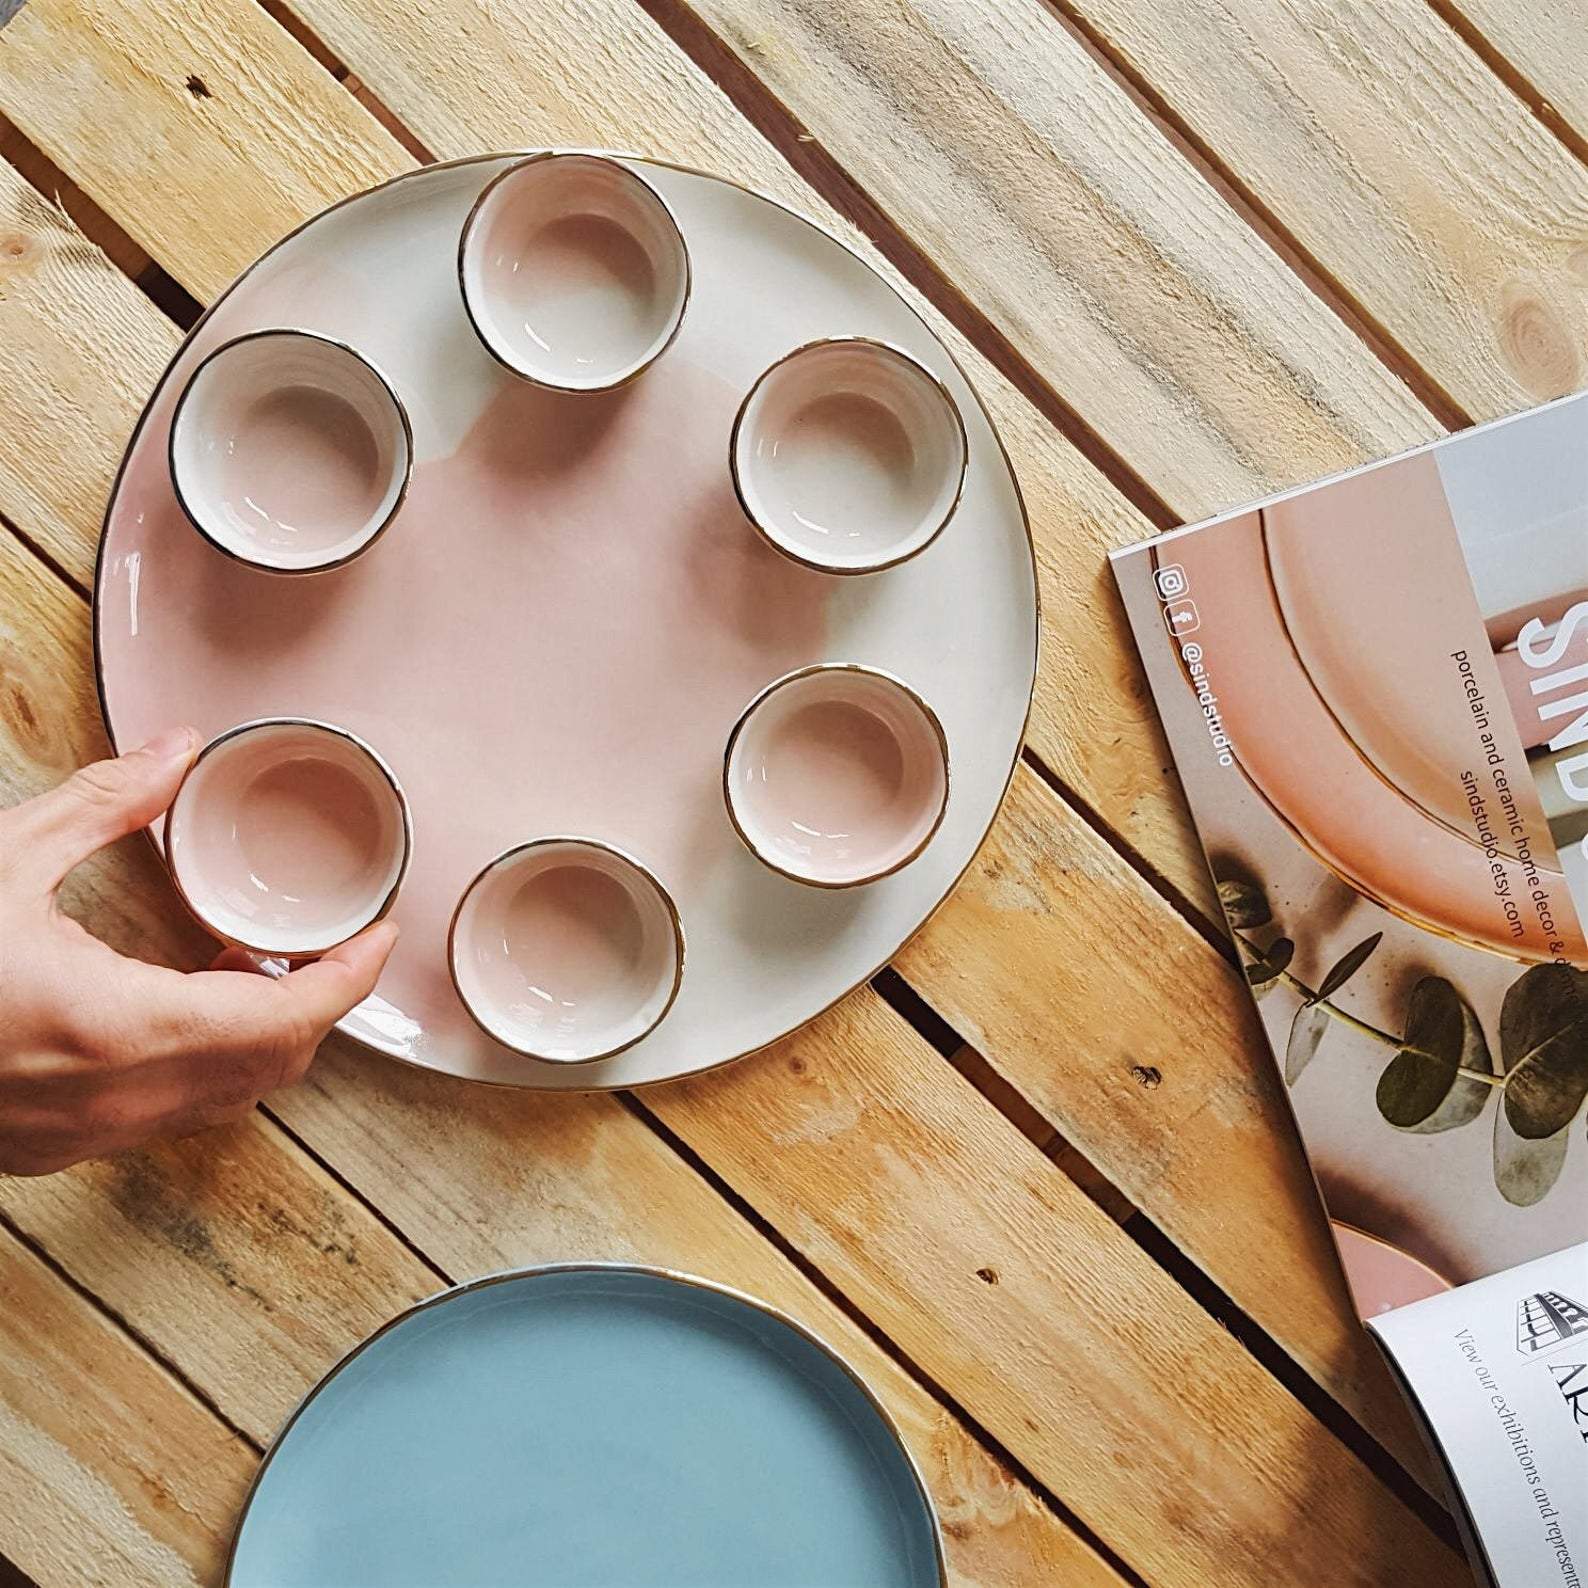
(1376, 692)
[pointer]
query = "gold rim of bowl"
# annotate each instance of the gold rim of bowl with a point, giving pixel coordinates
(176, 479)
(815, 564)
(511, 853)
(777, 684)
(315, 724)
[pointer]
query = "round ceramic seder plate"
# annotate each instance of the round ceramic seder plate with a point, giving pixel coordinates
(583, 1427)
(559, 630)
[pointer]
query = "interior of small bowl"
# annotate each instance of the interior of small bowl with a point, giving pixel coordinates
(287, 838)
(849, 455)
(574, 272)
(289, 451)
(566, 950)
(838, 776)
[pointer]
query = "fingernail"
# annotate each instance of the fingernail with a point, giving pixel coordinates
(172, 745)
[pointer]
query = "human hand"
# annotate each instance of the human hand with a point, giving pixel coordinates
(99, 1052)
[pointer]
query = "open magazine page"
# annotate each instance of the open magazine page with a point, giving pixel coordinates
(1376, 691)
(1499, 1371)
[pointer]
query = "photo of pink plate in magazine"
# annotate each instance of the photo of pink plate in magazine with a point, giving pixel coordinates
(1376, 691)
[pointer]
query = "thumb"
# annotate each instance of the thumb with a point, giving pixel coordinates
(100, 803)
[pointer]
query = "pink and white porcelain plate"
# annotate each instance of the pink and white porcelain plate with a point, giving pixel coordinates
(568, 614)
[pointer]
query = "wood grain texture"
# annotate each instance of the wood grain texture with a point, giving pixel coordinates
(240, 1259)
(49, 270)
(1019, 166)
(1401, 163)
(232, 1254)
(1212, 1156)
(482, 1184)
(1032, 1304)
(111, 1474)
(170, 70)
(1178, 1204)
(1546, 41)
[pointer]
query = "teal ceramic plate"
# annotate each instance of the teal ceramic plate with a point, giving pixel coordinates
(588, 1426)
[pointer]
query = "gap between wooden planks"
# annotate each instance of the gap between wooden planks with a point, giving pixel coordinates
(111, 1474)
(1538, 47)
(1423, 187)
(829, 1208)
(237, 1257)
(1136, 1136)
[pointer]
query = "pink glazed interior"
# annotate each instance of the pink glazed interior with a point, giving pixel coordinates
(574, 272)
(849, 456)
(837, 776)
(289, 451)
(567, 950)
(287, 837)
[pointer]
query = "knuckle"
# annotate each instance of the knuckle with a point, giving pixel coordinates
(96, 786)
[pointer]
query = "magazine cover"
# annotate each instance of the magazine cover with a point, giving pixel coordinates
(1376, 691)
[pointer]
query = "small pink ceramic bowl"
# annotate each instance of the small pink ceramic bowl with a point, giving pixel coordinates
(574, 273)
(848, 455)
(288, 836)
(566, 949)
(290, 451)
(837, 775)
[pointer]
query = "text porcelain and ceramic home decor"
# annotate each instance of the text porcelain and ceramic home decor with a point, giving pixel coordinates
(837, 775)
(849, 455)
(570, 613)
(566, 949)
(288, 836)
(573, 271)
(584, 1426)
(290, 451)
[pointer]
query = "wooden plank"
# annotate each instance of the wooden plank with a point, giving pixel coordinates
(232, 1254)
(1400, 162)
(175, 70)
(1191, 1138)
(1290, 1298)
(241, 1260)
(45, 262)
(1546, 42)
(111, 1474)
(886, 1155)
(122, 251)
(1078, 1290)
(1014, 161)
